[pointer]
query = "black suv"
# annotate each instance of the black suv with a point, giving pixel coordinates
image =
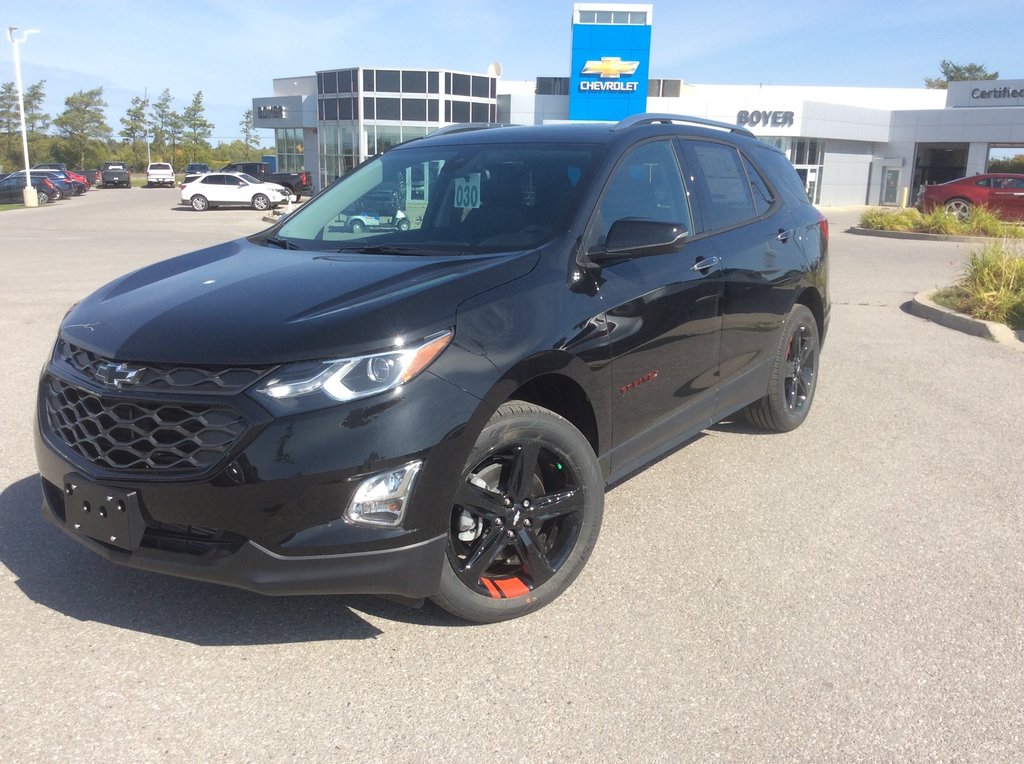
(435, 412)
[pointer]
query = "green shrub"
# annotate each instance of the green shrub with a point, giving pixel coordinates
(888, 220)
(938, 221)
(992, 286)
(980, 221)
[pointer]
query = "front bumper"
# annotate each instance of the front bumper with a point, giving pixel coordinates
(267, 517)
(412, 571)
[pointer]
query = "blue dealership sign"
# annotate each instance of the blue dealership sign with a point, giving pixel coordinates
(610, 65)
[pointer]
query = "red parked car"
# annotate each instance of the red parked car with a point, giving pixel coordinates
(1003, 193)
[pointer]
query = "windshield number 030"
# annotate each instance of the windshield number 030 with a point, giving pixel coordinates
(467, 191)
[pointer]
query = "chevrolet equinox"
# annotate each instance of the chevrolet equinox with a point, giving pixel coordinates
(435, 409)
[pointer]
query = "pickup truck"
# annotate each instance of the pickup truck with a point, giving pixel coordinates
(116, 174)
(298, 182)
(159, 174)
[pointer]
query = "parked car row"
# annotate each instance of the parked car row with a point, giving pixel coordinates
(12, 189)
(50, 185)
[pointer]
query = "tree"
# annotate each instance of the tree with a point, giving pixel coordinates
(82, 125)
(197, 129)
(958, 73)
(164, 126)
(36, 122)
(135, 130)
(250, 137)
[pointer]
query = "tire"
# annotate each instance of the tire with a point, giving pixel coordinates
(958, 208)
(42, 197)
(793, 378)
(261, 202)
(356, 226)
(526, 516)
(199, 203)
(403, 225)
(58, 193)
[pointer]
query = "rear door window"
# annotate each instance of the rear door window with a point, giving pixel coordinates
(721, 184)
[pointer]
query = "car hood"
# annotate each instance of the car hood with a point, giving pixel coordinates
(240, 303)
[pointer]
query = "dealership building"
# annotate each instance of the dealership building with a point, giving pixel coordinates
(851, 146)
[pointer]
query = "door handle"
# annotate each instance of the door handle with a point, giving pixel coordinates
(784, 235)
(704, 263)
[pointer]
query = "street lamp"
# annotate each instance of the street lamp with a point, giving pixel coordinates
(31, 200)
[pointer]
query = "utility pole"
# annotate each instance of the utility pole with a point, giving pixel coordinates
(29, 194)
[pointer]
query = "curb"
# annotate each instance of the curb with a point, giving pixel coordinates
(923, 307)
(913, 236)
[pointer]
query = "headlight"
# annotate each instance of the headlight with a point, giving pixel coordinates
(348, 379)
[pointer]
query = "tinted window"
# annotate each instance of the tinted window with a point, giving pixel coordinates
(720, 183)
(388, 81)
(414, 109)
(646, 184)
(763, 196)
(414, 82)
(781, 173)
(389, 108)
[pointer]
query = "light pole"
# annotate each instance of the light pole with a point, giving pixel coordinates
(31, 200)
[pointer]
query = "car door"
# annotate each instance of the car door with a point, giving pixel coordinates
(236, 190)
(662, 312)
(1007, 198)
(757, 241)
(213, 188)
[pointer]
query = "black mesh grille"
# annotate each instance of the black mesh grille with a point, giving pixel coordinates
(140, 435)
(162, 378)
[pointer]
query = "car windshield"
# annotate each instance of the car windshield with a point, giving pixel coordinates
(249, 178)
(454, 199)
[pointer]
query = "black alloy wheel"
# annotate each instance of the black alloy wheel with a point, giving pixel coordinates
(526, 517)
(793, 378)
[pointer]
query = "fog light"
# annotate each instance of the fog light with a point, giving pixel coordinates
(381, 499)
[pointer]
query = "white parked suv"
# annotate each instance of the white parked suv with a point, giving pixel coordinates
(233, 188)
(159, 174)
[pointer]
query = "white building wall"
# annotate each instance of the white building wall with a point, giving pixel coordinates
(847, 169)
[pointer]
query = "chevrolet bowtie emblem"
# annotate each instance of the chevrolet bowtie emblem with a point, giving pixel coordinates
(118, 374)
(610, 66)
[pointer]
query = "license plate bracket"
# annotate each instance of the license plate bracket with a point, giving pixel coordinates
(110, 515)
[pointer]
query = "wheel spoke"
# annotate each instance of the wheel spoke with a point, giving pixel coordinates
(523, 469)
(483, 555)
(535, 562)
(479, 501)
(555, 505)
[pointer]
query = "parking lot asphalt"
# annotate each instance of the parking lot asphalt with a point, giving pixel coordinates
(848, 591)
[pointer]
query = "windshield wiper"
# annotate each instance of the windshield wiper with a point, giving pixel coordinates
(276, 241)
(384, 249)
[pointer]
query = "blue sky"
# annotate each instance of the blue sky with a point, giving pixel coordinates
(233, 50)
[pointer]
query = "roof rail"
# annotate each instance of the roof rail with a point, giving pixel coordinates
(463, 127)
(670, 119)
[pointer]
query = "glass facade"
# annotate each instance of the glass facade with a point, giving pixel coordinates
(289, 149)
(361, 112)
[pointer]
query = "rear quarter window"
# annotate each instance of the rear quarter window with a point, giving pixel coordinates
(781, 174)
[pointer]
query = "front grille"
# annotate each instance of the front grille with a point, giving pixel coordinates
(164, 377)
(141, 436)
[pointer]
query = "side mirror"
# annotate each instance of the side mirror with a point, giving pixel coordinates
(632, 237)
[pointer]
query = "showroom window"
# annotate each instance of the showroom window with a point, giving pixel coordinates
(289, 149)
